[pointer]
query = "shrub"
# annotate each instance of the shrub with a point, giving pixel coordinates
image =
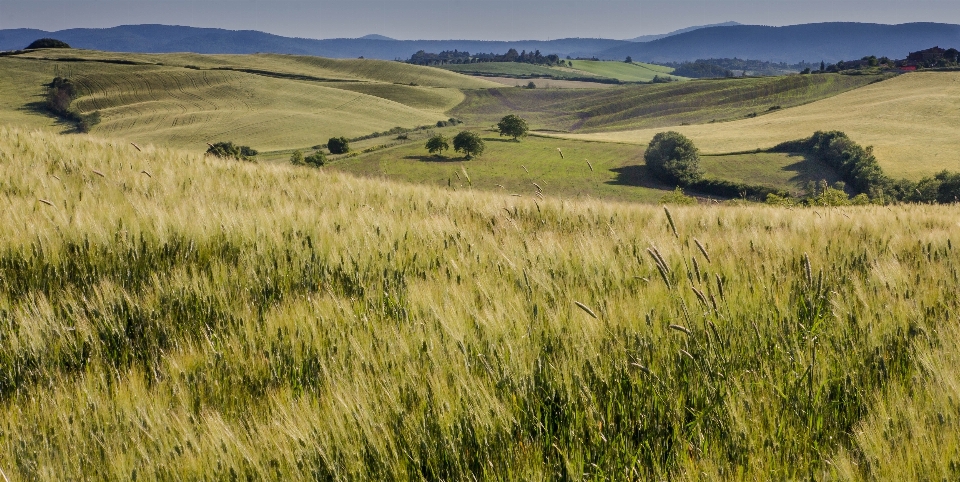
(87, 122)
(228, 150)
(513, 126)
(317, 159)
(531, 85)
(673, 157)
(678, 197)
(338, 145)
(48, 43)
(469, 143)
(297, 158)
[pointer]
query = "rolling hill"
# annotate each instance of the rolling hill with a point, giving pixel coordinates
(910, 121)
(657, 105)
(266, 101)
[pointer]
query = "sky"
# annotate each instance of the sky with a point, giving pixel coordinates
(464, 19)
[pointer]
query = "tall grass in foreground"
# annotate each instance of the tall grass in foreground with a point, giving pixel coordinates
(165, 316)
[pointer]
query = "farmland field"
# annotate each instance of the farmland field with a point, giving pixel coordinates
(654, 106)
(789, 172)
(517, 69)
(632, 72)
(909, 120)
(165, 315)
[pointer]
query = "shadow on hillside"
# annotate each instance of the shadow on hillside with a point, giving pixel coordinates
(40, 108)
(434, 159)
(807, 169)
(636, 176)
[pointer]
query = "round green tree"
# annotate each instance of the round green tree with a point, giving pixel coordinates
(437, 144)
(513, 126)
(469, 143)
(316, 159)
(672, 157)
(338, 145)
(297, 158)
(48, 43)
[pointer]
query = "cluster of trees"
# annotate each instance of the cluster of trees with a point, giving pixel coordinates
(713, 68)
(61, 93)
(471, 144)
(316, 159)
(228, 150)
(457, 57)
(48, 43)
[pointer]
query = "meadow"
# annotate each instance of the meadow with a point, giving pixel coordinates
(910, 121)
(165, 315)
(522, 70)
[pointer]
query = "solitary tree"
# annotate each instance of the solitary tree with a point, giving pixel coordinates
(437, 144)
(338, 145)
(513, 126)
(469, 143)
(673, 157)
(629, 60)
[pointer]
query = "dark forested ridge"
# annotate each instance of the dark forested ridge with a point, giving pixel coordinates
(830, 42)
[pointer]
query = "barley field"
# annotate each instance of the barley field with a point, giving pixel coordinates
(165, 315)
(910, 120)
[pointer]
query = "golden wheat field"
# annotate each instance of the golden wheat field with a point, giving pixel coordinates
(910, 120)
(166, 316)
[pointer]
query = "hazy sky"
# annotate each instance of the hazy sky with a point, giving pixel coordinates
(464, 19)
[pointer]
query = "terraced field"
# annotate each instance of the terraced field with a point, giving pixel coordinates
(911, 121)
(654, 106)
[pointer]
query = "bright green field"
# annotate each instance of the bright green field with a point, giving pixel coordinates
(633, 72)
(513, 167)
(790, 172)
(516, 69)
(654, 106)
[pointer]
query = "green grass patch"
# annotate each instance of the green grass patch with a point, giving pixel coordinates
(512, 167)
(624, 72)
(521, 70)
(789, 172)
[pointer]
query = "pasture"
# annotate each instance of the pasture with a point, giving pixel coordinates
(910, 121)
(165, 315)
(520, 70)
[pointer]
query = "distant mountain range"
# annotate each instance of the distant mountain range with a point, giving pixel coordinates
(830, 42)
(650, 38)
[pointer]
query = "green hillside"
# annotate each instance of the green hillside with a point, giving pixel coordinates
(188, 100)
(632, 72)
(657, 105)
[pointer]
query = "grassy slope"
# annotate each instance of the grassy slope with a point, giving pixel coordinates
(910, 120)
(618, 172)
(221, 319)
(633, 72)
(333, 69)
(660, 105)
(187, 107)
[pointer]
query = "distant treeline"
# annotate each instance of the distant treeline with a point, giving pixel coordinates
(458, 57)
(712, 68)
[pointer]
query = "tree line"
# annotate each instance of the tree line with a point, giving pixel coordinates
(458, 57)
